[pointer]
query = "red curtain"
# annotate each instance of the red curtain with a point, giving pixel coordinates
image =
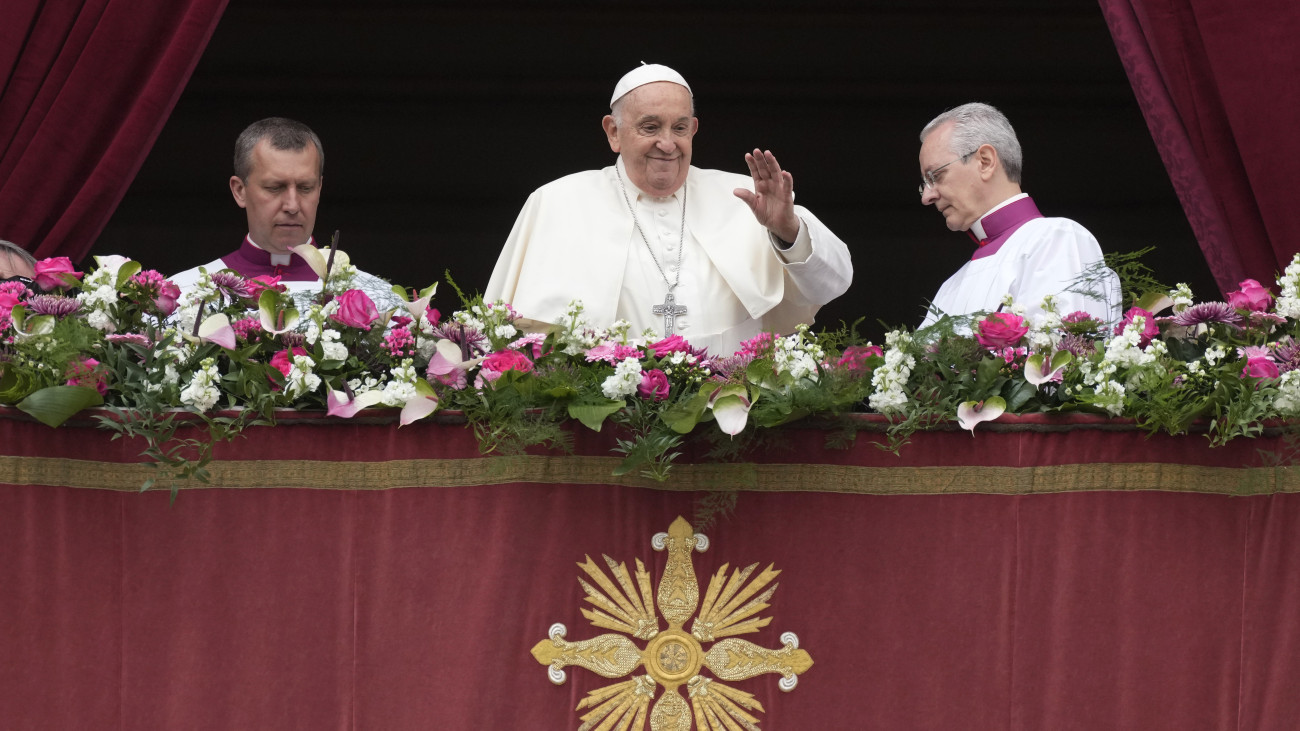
(85, 87)
(1216, 80)
(415, 608)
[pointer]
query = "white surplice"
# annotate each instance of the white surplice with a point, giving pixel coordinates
(1044, 256)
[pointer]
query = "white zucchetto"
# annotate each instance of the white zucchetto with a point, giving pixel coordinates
(646, 73)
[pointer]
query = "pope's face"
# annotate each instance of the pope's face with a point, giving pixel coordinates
(956, 190)
(280, 196)
(655, 136)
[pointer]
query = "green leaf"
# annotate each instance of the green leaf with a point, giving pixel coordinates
(53, 405)
(126, 271)
(683, 416)
(594, 415)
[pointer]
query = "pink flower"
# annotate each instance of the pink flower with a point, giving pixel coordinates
(654, 385)
(283, 360)
(669, 345)
(257, 285)
(433, 315)
(161, 290)
(1149, 328)
(1260, 367)
(854, 359)
(507, 360)
(1252, 296)
(399, 342)
(612, 353)
(355, 310)
(85, 373)
(1001, 330)
(535, 340)
(756, 345)
(55, 272)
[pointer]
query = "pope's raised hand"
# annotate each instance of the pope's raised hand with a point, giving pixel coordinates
(772, 199)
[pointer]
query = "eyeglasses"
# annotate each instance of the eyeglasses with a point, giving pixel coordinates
(931, 178)
(17, 278)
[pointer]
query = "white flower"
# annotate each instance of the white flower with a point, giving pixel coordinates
(1182, 297)
(300, 379)
(1288, 302)
(624, 382)
(202, 392)
(1287, 401)
(889, 382)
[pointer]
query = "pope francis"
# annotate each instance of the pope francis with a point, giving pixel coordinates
(711, 256)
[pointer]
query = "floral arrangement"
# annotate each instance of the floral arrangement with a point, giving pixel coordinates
(231, 351)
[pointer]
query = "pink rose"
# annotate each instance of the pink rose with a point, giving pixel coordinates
(854, 359)
(654, 385)
(1001, 330)
(1252, 296)
(168, 293)
(85, 373)
(1260, 367)
(1149, 328)
(8, 301)
(355, 310)
(55, 272)
(507, 360)
(257, 285)
(669, 345)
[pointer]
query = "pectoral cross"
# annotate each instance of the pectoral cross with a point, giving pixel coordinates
(670, 310)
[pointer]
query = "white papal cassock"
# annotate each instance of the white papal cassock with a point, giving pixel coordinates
(575, 239)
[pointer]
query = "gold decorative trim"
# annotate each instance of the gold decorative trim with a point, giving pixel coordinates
(317, 474)
(673, 657)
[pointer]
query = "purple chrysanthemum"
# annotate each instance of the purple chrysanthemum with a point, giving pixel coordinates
(293, 340)
(52, 304)
(726, 366)
(232, 285)
(1207, 313)
(467, 337)
(1286, 352)
(1078, 345)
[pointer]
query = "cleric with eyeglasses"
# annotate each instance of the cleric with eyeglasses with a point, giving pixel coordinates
(970, 172)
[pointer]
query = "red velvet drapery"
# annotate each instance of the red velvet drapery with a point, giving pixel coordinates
(415, 608)
(1216, 80)
(85, 87)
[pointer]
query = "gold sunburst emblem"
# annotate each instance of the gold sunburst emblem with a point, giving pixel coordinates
(673, 657)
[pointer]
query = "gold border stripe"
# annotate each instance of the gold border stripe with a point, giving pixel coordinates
(316, 474)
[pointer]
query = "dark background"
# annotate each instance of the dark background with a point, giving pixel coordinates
(438, 119)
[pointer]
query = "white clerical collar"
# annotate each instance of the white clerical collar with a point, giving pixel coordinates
(977, 228)
(641, 193)
(277, 260)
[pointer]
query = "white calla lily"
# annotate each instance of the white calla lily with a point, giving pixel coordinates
(971, 413)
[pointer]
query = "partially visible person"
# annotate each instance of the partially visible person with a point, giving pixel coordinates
(279, 171)
(711, 256)
(971, 173)
(16, 263)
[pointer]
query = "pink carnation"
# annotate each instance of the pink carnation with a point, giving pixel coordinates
(1001, 330)
(1252, 296)
(654, 385)
(56, 272)
(355, 310)
(283, 360)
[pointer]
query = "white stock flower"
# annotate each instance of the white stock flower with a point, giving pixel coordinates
(1287, 401)
(624, 382)
(331, 348)
(301, 380)
(202, 392)
(1288, 302)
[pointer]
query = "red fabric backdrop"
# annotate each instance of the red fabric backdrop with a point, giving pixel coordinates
(416, 608)
(1216, 80)
(85, 87)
